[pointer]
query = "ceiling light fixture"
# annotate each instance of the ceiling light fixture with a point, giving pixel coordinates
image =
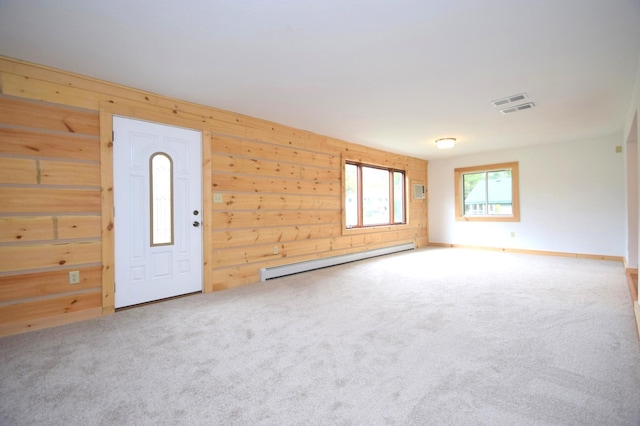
(446, 143)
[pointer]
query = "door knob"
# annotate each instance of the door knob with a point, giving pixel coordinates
(196, 223)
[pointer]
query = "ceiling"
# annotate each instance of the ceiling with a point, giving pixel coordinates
(391, 74)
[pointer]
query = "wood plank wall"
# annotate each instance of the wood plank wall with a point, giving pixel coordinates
(49, 214)
(279, 187)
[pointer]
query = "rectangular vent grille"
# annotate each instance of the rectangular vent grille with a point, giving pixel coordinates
(517, 108)
(509, 99)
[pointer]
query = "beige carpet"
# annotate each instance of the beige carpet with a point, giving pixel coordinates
(432, 336)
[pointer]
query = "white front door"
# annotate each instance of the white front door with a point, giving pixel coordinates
(158, 204)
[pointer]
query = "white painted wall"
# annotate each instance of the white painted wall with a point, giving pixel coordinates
(631, 131)
(631, 230)
(630, 134)
(572, 199)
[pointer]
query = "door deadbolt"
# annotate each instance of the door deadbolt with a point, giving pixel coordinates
(196, 223)
(195, 212)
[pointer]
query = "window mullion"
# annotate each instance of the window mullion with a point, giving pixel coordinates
(360, 198)
(391, 203)
(486, 193)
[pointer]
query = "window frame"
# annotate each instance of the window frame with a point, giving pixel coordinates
(515, 193)
(359, 194)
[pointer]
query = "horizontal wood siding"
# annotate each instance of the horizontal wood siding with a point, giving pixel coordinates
(49, 214)
(274, 193)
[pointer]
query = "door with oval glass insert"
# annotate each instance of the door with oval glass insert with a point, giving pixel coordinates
(158, 204)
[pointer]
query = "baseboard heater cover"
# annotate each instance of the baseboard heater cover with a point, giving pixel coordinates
(294, 268)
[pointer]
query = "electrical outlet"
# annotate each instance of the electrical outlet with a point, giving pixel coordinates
(275, 249)
(74, 277)
(217, 198)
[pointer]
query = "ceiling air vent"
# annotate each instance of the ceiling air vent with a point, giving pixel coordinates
(500, 102)
(516, 108)
(509, 99)
(518, 98)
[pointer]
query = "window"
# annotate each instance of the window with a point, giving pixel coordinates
(487, 193)
(161, 179)
(373, 196)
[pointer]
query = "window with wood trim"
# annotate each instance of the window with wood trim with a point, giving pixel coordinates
(374, 196)
(487, 193)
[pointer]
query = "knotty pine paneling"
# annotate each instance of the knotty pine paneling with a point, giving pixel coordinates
(273, 235)
(74, 227)
(26, 286)
(51, 320)
(248, 219)
(48, 200)
(26, 228)
(49, 214)
(35, 143)
(34, 88)
(234, 276)
(16, 170)
(252, 201)
(22, 257)
(68, 173)
(261, 167)
(262, 185)
(295, 248)
(280, 135)
(105, 92)
(42, 308)
(37, 115)
(267, 151)
(278, 186)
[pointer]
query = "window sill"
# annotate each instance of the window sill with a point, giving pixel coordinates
(373, 229)
(487, 218)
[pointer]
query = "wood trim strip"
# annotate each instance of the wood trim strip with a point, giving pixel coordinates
(527, 251)
(207, 213)
(636, 310)
(108, 238)
(632, 280)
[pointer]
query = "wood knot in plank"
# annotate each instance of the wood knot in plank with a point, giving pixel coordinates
(68, 126)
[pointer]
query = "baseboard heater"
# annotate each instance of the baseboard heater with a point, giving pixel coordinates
(294, 268)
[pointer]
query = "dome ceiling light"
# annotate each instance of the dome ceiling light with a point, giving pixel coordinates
(446, 143)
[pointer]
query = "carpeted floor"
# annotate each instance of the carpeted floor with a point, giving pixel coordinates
(428, 337)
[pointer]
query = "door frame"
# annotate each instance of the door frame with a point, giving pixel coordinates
(159, 116)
